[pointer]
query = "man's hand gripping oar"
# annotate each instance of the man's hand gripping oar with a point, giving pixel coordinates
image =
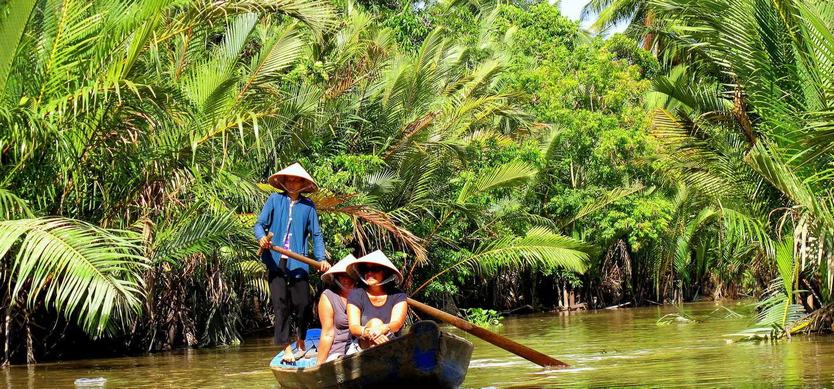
(266, 244)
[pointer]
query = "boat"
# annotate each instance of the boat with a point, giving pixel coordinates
(425, 357)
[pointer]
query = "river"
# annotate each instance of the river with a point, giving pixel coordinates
(605, 348)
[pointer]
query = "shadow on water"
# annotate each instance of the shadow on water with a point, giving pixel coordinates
(605, 348)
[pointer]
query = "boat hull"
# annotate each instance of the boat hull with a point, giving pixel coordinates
(424, 356)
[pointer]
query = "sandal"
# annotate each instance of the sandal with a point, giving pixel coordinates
(299, 354)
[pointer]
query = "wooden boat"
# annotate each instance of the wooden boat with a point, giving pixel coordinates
(426, 357)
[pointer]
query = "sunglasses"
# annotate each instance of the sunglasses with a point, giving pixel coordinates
(364, 268)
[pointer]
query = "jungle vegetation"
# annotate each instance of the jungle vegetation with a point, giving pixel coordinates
(500, 154)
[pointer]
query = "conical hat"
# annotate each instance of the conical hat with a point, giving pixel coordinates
(340, 267)
(376, 258)
(277, 179)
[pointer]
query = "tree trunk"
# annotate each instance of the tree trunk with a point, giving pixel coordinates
(740, 113)
(7, 331)
(30, 352)
(533, 289)
(648, 40)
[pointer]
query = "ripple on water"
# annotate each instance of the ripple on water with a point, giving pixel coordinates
(611, 348)
(627, 348)
(482, 363)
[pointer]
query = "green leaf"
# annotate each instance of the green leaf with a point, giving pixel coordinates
(14, 15)
(84, 272)
(509, 174)
(12, 207)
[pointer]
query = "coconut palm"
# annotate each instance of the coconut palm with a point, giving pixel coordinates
(764, 133)
(637, 14)
(422, 109)
(108, 107)
(133, 141)
(610, 13)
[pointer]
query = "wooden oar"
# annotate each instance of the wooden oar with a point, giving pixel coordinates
(489, 336)
(298, 257)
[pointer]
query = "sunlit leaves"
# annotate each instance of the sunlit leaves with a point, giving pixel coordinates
(87, 273)
(504, 175)
(540, 248)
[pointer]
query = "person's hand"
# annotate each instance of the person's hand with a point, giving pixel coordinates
(324, 266)
(377, 331)
(373, 332)
(379, 334)
(380, 339)
(370, 331)
(264, 243)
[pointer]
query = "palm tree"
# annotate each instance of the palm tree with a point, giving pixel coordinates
(773, 116)
(609, 13)
(422, 111)
(144, 127)
(105, 135)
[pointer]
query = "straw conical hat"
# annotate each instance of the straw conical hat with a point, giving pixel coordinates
(296, 170)
(340, 267)
(376, 258)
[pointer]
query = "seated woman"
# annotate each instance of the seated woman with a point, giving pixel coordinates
(335, 335)
(377, 311)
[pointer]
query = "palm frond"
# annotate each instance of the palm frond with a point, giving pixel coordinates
(277, 54)
(603, 201)
(773, 169)
(318, 15)
(743, 227)
(683, 249)
(253, 273)
(13, 207)
(363, 215)
(508, 174)
(540, 248)
(208, 84)
(86, 273)
(612, 12)
(69, 30)
(14, 16)
(192, 231)
(778, 312)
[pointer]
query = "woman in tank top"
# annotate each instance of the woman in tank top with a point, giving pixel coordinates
(335, 335)
(377, 311)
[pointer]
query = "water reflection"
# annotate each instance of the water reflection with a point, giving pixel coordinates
(627, 347)
(605, 348)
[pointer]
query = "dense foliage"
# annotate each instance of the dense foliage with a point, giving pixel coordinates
(743, 111)
(497, 143)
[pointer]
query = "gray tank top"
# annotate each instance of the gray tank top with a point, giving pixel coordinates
(341, 337)
(359, 298)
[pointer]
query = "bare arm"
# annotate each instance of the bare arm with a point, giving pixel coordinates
(398, 315)
(379, 333)
(354, 316)
(328, 331)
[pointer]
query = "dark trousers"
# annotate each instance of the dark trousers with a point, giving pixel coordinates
(290, 295)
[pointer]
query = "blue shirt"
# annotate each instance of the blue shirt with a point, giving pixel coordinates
(305, 224)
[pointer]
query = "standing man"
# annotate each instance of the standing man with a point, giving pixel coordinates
(293, 220)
